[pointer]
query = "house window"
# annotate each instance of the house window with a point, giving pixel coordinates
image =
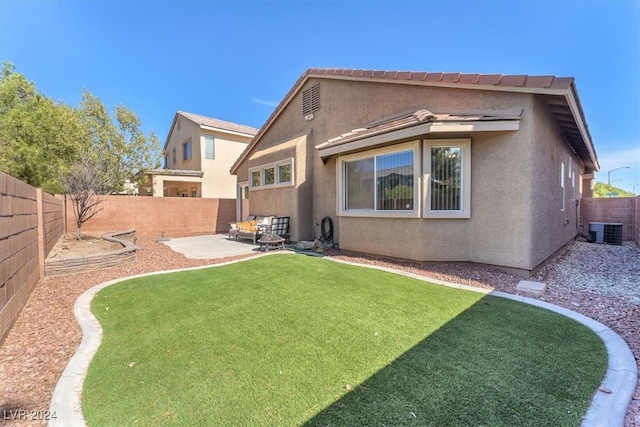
(174, 162)
(269, 176)
(276, 174)
(284, 173)
(311, 100)
(256, 178)
(194, 192)
(166, 161)
(186, 150)
(380, 182)
(447, 166)
(562, 195)
(209, 148)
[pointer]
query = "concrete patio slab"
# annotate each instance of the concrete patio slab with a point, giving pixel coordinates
(210, 246)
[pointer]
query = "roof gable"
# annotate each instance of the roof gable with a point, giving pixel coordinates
(559, 93)
(212, 123)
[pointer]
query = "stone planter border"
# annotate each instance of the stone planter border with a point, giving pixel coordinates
(92, 262)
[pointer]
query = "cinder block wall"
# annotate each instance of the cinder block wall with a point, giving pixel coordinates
(150, 216)
(31, 222)
(614, 209)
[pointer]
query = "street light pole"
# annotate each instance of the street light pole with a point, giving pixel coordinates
(612, 170)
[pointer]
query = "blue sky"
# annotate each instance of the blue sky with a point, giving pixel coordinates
(235, 60)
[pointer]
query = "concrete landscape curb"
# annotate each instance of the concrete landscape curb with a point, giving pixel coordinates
(608, 406)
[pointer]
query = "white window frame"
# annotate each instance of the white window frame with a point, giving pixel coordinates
(465, 145)
(562, 187)
(212, 138)
(185, 144)
(340, 164)
(259, 174)
(276, 176)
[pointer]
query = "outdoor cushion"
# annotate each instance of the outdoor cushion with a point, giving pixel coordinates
(249, 226)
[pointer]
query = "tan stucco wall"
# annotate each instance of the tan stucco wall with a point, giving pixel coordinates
(512, 172)
(217, 182)
(551, 227)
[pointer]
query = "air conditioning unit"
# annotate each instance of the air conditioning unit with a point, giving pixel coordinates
(606, 233)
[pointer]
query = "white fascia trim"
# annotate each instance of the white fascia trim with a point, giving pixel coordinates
(471, 86)
(416, 131)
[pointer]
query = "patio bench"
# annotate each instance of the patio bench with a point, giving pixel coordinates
(258, 225)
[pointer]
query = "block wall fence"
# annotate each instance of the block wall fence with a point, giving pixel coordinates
(624, 210)
(31, 222)
(150, 216)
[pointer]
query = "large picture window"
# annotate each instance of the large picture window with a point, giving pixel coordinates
(381, 182)
(448, 170)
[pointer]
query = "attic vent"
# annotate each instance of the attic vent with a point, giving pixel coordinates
(311, 100)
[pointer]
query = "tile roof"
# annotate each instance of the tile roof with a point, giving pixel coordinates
(414, 118)
(498, 80)
(559, 93)
(218, 124)
(172, 172)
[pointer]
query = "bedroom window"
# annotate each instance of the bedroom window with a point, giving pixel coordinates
(381, 182)
(447, 166)
(272, 175)
(209, 147)
(186, 150)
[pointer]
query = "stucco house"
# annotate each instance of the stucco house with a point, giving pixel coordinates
(426, 166)
(198, 151)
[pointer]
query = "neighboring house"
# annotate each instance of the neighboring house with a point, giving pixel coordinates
(426, 166)
(198, 154)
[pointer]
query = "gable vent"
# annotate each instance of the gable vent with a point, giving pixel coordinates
(311, 100)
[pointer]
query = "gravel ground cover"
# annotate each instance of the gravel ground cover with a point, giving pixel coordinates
(599, 281)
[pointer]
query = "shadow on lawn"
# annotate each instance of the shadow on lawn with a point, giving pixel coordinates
(497, 363)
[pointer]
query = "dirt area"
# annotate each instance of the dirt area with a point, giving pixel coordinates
(88, 244)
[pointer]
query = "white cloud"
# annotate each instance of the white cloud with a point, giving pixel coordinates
(263, 102)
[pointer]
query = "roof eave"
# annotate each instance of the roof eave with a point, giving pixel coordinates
(327, 149)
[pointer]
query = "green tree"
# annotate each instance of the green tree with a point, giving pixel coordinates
(601, 190)
(38, 136)
(119, 146)
(40, 139)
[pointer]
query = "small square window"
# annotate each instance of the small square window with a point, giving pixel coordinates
(255, 178)
(269, 176)
(284, 173)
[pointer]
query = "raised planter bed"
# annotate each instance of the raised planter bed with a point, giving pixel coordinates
(72, 263)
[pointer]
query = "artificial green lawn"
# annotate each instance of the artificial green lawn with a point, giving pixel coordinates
(276, 340)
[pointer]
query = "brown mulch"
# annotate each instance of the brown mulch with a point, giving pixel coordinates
(46, 334)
